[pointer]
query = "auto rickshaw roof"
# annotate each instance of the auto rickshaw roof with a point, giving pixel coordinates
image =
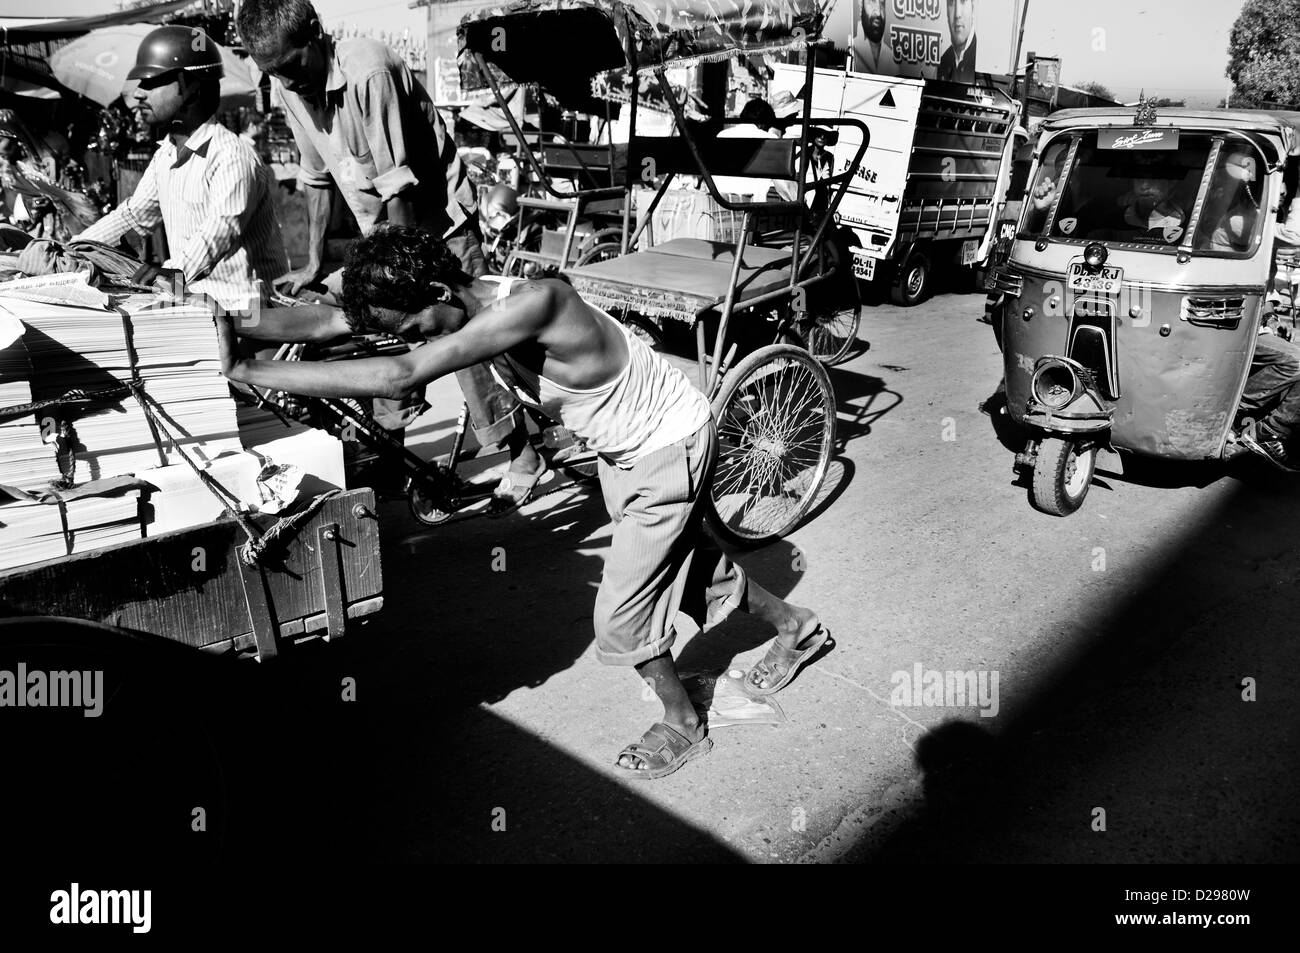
(1284, 124)
(561, 44)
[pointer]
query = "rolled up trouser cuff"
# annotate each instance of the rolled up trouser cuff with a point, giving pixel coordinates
(642, 653)
(493, 411)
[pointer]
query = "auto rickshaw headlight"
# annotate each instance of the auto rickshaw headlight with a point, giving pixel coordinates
(1095, 255)
(1054, 385)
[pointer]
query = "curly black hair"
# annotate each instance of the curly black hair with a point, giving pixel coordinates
(396, 266)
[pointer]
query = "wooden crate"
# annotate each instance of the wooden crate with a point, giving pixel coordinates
(191, 586)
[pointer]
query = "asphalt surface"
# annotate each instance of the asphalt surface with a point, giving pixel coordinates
(1120, 637)
(483, 729)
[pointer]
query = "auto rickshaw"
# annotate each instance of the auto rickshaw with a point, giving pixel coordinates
(1129, 303)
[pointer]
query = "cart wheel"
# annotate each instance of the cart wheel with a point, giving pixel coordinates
(776, 430)
(426, 508)
(1062, 474)
(602, 251)
(914, 281)
(831, 335)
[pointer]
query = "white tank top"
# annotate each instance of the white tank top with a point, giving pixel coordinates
(647, 406)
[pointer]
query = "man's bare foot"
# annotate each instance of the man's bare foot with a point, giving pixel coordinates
(798, 624)
(528, 462)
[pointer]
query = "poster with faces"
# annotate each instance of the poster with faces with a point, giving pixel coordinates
(925, 39)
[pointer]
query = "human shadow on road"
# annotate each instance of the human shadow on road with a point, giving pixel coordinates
(1143, 715)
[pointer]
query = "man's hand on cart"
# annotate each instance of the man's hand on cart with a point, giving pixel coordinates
(295, 281)
(168, 281)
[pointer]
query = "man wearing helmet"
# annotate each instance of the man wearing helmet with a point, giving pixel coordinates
(205, 184)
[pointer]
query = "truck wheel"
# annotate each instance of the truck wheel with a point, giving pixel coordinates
(914, 280)
(1062, 474)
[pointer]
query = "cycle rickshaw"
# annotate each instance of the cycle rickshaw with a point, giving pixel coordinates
(774, 407)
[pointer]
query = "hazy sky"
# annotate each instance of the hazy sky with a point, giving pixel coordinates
(1174, 48)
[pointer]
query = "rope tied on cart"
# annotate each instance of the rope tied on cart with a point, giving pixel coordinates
(257, 545)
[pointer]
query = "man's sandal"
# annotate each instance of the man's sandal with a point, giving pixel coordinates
(662, 749)
(516, 489)
(780, 664)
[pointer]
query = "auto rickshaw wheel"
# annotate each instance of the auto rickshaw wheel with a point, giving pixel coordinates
(775, 416)
(1063, 472)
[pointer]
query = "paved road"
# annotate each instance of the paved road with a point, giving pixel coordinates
(1120, 638)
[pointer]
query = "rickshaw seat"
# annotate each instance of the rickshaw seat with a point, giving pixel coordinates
(679, 279)
(701, 249)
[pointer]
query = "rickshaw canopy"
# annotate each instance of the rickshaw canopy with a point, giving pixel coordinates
(1284, 125)
(562, 44)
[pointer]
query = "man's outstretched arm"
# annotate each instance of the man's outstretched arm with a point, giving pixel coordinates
(304, 323)
(491, 332)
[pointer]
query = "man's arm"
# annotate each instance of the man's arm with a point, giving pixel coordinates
(491, 332)
(305, 323)
(1288, 233)
(381, 97)
(315, 178)
(140, 213)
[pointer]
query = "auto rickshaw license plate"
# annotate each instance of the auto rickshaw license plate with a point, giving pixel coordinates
(1106, 281)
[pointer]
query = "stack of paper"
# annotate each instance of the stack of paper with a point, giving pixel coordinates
(176, 351)
(178, 498)
(26, 461)
(317, 453)
(70, 288)
(283, 463)
(31, 531)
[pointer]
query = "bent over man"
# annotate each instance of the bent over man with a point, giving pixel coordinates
(362, 121)
(652, 429)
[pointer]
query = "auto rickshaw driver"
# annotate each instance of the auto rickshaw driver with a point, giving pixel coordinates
(1232, 204)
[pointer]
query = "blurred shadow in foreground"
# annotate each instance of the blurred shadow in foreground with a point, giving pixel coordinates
(1141, 713)
(193, 758)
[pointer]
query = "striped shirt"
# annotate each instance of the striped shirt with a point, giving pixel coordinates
(214, 198)
(376, 133)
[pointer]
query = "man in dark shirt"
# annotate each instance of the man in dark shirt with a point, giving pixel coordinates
(957, 65)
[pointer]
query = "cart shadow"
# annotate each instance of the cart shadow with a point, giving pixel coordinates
(196, 758)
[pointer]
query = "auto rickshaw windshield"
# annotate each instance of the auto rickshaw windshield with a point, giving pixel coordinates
(1148, 198)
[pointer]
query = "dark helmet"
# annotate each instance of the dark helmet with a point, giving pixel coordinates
(177, 48)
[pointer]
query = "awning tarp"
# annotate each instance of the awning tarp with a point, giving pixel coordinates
(561, 44)
(62, 29)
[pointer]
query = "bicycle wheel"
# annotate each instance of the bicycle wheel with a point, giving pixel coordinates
(831, 333)
(776, 431)
(645, 329)
(602, 251)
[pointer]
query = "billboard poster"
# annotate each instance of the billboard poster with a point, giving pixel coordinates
(950, 40)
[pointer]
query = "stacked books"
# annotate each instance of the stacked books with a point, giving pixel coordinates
(32, 531)
(26, 460)
(176, 355)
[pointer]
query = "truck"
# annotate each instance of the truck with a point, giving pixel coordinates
(927, 197)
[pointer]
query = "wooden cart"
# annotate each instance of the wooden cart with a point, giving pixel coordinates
(193, 586)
